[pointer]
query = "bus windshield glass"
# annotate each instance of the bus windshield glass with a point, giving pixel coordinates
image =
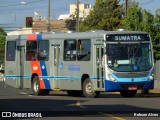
(129, 57)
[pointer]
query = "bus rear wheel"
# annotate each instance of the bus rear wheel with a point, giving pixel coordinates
(88, 91)
(128, 93)
(36, 86)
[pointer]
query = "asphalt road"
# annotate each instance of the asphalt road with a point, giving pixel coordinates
(21, 104)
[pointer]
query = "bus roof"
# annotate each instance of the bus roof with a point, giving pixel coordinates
(88, 34)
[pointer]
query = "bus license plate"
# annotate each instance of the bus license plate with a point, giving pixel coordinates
(133, 88)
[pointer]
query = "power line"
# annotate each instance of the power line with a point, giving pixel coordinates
(49, 12)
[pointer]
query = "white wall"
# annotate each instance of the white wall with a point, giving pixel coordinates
(157, 75)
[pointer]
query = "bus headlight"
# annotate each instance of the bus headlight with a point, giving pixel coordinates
(151, 77)
(111, 78)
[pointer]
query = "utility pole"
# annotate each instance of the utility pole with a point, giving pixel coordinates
(126, 7)
(77, 16)
(15, 17)
(48, 27)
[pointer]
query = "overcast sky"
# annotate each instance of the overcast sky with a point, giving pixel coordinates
(13, 12)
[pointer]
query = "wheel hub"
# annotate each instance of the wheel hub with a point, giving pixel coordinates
(36, 86)
(89, 88)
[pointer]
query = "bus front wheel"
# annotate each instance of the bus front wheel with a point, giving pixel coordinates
(128, 93)
(36, 86)
(88, 91)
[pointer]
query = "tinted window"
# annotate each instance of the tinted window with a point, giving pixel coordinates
(70, 50)
(43, 50)
(84, 50)
(11, 48)
(31, 54)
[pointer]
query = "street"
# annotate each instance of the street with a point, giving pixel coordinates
(21, 104)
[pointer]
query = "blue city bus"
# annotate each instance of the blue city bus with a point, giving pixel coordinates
(80, 63)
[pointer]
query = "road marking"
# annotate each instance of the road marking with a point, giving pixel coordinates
(23, 93)
(78, 104)
(112, 116)
(82, 106)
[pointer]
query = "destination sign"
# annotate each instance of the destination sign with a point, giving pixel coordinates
(128, 37)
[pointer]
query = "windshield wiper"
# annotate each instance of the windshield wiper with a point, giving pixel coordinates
(138, 48)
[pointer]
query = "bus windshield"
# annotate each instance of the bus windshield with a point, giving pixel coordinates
(129, 57)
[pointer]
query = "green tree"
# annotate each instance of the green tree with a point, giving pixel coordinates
(156, 40)
(106, 15)
(139, 19)
(2, 31)
(2, 45)
(134, 18)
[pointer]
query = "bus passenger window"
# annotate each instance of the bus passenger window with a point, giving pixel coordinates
(43, 50)
(70, 50)
(84, 50)
(29, 56)
(11, 48)
(31, 52)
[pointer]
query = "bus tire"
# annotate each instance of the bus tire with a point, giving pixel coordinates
(128, 93)
(145, 91)
(87, 89)
(36, 86)
(45, 92)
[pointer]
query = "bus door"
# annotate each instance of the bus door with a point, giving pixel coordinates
(20, 66)
(55, 54)
(98, 61)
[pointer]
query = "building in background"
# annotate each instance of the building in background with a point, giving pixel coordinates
(65, 22)
(84, 10)
(21, 31)
(55, 26)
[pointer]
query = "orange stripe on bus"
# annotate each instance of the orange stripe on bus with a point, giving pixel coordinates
(42, 86)
(35, 66)
(32, 37)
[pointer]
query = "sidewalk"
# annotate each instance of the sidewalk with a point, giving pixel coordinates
(152, 93)
(156, 91)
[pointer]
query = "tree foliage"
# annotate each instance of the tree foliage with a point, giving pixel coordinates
(2, 44)
(156, 40)
(133, 18)
(139, 19)
(106, 15)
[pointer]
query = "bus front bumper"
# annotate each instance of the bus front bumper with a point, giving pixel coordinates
(117, 86)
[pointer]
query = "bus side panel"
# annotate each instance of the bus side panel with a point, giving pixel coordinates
(28, 74)
(11, 74)
(11, 66)
(72, 72)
